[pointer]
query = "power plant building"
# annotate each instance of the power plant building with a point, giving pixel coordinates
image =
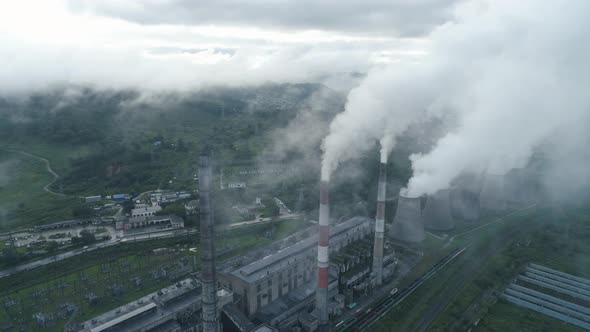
(290, 273)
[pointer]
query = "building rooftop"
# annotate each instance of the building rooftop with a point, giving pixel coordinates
(143, 208)
(263, 328)
(117, 320)
(134, 315)
(238, 317)
(270, 263)
(173, 218)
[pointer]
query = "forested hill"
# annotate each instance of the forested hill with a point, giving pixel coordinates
(134, 141)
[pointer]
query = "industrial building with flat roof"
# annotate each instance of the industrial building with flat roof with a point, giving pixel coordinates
(168, 221)
(173, 308)
(293, 268)
(145, 211)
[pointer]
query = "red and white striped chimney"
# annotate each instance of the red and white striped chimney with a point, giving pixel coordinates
(379, 225)
(323, 259)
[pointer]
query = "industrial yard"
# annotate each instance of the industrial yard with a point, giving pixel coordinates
(440, 262)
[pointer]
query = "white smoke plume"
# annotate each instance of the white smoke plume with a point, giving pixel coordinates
(386, 143)
(527, 90)
(387, 102)
(514, 73)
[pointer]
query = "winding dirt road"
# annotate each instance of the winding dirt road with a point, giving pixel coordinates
(47, 167)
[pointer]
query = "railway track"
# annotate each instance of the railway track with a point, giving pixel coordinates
(366, 318)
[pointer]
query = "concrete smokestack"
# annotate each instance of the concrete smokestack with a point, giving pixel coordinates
(492, 193)
(408, 224)
(437, 213)
(207, 230)
(321, 304)
(380, 225)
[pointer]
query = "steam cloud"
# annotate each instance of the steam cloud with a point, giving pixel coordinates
(516, 74)
(373, 112)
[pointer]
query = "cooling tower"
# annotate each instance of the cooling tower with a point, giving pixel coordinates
(321, 304)
(492, 195)
(465, 197)
(519, 188)
(464, 204)
(437, 213)
(408, 225)
(469, 181)
(209, 293)
(379, 226)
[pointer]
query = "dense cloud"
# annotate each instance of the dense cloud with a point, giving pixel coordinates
(526, 90)
(399, 17)
(515, 76)
(80, 42)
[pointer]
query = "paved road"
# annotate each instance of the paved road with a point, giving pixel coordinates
(131, 238)
(52, 259)
(262, 221)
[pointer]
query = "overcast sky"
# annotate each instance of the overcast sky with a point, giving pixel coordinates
(182, 44)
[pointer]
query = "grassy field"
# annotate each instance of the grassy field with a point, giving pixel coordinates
(560, 243)
(23, 202)
(61, 156)
(468, 288)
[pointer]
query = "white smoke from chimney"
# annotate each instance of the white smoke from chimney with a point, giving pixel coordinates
(387, 142)
(383, 107)
(529, 89)
(515, 73)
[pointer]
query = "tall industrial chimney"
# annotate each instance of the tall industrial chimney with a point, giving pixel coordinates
(207, 230)
(437, 213)
(492, 196)
(380, 225)
(408, 224)
(321, 304)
